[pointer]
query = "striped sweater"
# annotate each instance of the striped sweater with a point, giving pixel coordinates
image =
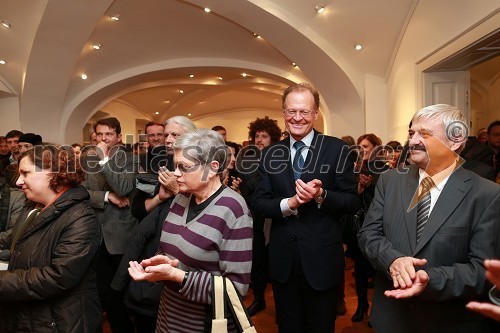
(218, 241)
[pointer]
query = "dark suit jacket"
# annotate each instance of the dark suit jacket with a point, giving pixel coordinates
(461, 232)
(118, 176)
(316, 230)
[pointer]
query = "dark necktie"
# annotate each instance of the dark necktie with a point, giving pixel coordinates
(424, 205)
(25, 224)
(298, 160)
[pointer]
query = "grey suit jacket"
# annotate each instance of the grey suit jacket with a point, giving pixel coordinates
(118, 176)
(462, 231)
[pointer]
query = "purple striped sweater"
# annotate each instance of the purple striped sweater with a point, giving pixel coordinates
(217, 241)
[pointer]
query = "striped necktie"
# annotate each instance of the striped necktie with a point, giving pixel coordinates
(298, 160)
(424, 205)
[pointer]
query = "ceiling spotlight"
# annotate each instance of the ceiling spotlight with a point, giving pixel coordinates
(96, 46)
(6, 24)
(207, 10)
(257, 35)
(157, 112)
(319, 8)
(191, 76)
(84, 76)
(181, 91)
(189, 114)
(294, 64)
(3, 62)
(244, 74)
(115, 17)
(166, 101)
(358, 47)
(220, 78)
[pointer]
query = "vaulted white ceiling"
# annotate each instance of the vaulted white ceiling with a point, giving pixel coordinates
(147, 56)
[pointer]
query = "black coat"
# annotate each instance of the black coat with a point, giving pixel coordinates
(50, 285)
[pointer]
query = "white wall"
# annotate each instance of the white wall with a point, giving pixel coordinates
(9, 115)
(433, 26)
(376, 107)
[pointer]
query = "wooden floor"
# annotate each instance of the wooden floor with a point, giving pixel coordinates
(264, 321)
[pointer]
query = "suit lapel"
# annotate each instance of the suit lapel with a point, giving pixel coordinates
(407, 196)
(452, 195)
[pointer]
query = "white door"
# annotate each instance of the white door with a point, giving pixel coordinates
(448, 88)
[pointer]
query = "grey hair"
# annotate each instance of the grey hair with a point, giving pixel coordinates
(452, 118)
(186, 123)
(203, 146)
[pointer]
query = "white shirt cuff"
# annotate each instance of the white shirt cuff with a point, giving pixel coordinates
(106, 197)
(103, 161)
(285, 209)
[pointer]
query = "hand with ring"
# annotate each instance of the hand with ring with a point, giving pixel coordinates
(402, 271)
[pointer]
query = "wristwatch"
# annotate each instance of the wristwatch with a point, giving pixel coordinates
(319, 200)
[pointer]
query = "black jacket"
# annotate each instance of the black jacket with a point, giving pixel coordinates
(50, 285)
(142, 296)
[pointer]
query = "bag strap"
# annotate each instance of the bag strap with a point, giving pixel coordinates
(238, 308)
(219, 322)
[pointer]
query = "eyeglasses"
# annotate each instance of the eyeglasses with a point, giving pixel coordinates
(185, 168)
(293, 113)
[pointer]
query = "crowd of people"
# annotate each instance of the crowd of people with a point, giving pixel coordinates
(137, 232)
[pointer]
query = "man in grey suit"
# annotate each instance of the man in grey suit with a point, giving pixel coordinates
(429, 230)
(110, 181)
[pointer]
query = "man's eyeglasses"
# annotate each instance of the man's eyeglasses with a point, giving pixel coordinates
(293, 113)
(185, 168)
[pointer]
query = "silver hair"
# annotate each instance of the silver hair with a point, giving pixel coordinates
(186, 123)
(452, 118)
(203, 146)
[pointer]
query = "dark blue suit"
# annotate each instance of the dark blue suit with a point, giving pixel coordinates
(309, 244)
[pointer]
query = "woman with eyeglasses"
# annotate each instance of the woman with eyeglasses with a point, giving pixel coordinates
(50, 284)
(208, 230)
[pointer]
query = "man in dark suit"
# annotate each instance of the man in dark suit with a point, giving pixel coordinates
(110, 181)
(428, 231)
(305, 183)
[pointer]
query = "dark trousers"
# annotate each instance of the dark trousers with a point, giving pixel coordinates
(112, 300)
(143, 323)
(259, 275)
(302, 309)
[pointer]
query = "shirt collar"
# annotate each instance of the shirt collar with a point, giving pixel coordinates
(307, 140)
(439, 178)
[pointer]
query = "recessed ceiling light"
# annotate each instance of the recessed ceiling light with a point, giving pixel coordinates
(166, 101)
(6, 24)
(257, 35)
(207, 10)
(244, 74)
(358, 47)
(319, 8)
(115, 17)
(157, 112)
(96, 46)
(191, 76)
(84, 76)
(220, 78)
(294, 64)
(189, 114)
(181, 91)
(3, 62)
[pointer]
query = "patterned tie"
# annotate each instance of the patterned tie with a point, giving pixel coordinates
(298, 160)
(424, 205)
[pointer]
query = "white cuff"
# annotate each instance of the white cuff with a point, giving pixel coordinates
(106, 197)
(285, 209)
(103, 161)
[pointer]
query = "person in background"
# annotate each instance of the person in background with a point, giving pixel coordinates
(12, 201)
(230, 174)
(482, 135)
(208, 230)
(222, 131)
(299, 188)
(4, 153)
(50, 285)
(349, 140)
(494, 143)
(77, 148)
(12, 139)
(263, 132)
(93, 138)
(372, 163)
(28, 141)
(428, 232)
(394, 149)
(110, 184)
